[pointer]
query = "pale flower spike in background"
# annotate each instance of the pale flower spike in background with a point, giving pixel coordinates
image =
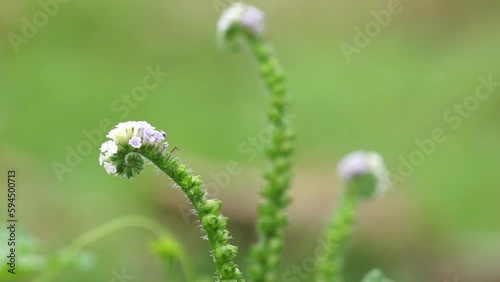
(365, 176)
(239, 15)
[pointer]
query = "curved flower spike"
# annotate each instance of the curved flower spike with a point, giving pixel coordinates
(134, 142)
(238, 16)
(247, 22)
(365, 176)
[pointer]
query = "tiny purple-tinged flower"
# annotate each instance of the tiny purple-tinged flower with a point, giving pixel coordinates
(160, 136)
(135, 142)
(253, 19)
(149, 134)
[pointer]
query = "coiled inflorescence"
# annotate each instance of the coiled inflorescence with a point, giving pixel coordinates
(129, 136)
(124, 155)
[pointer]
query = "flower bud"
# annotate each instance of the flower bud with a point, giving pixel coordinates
(225, 253)
(213, 206)
(365, 171)
(228, 270)
(222, 236)
(210, 222)
(238, 16)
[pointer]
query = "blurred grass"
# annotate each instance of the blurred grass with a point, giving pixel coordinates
(394, 92)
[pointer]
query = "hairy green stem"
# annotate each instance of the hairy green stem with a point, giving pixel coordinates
(104, 230)
(272, 218)
(330, 266)
(208, 211)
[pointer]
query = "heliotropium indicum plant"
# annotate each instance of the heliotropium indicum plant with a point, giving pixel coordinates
(246, 23)
(365, 176)
(133, 144)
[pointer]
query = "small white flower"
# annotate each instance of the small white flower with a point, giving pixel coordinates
(135, 142)
(112, 147)
(104, 158)
(109, 147)
(130, 127)
(149, 134)
(119, 135)
(104, 147)
(229, 17)
(361, 163)
(110, 169)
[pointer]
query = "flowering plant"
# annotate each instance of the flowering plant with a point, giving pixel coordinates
(133, 144)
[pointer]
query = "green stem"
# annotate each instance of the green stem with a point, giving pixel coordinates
(208, 211)
(171, 270)
(272, 218)
(99, 232)
(329, 268)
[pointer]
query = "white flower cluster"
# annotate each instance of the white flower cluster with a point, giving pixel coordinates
(250, 17)
(362, 163)
(134, 133)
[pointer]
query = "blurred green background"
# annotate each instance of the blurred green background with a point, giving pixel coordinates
(441, 222)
